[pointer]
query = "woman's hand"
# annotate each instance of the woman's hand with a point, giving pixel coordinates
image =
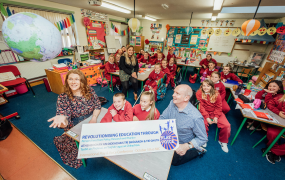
(209, 121)
(134, 75)
(282, 114)
(93, 120)
(135, 118)
(113, 112)
(59, 121)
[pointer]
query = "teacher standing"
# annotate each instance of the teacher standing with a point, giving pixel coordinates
(128, 71)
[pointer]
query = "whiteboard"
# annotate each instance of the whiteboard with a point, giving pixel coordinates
(118, 44)
(111, 44)
(221, 43)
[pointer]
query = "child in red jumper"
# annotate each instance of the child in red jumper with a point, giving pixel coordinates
(211, 69)
(166, 71)
(146, 109)
(172, 68)
(119, 51)
(170, 55)
(141, 54)
(120, 111)
(145, 59)
(276, 105)
(220, 87)
(158, 59)
(111, 66)
(154, 76)
(117, 59)
(228, 74)
(205, 63)
(156, 54)
(274, 92)
(211, 110)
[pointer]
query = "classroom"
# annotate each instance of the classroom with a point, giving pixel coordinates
(197, 89)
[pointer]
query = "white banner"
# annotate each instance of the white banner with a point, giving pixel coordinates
(111, 139)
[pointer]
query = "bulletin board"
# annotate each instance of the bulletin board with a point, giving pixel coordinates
(277, 53)
(90, 72)
(97, 29)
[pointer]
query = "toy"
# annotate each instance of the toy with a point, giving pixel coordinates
(204, 76)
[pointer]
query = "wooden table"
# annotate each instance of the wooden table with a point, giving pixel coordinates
(248, 115)
(3, 89)
(157, 164)
(246, 66)
(55, 81)
(195, 65)
(141, 77)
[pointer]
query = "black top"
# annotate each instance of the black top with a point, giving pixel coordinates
(126, 67)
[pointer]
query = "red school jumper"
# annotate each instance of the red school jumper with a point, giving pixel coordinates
(211, 110)
(206, 63)
(142, 114)
(125, 114)
(220, 87)
(152, 81)
(169, 56)
(167, 72)
(112, 68)
(270, 97)
(139, 55)
(172, 70)
(155, 61)
(155, 56)
(272, 131)
(260, 94)
(143, 60)
(209, 72)
(230, 76)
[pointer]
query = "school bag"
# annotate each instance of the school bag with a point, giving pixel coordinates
(161, 92)
(178, 78)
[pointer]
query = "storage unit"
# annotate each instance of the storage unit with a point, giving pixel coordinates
(97, 54)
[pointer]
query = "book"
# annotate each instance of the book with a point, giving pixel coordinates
(232, 82)
(238, 100)
(262, 115)
(246, 106)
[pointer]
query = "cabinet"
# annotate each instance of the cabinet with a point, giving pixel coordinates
(97, 54)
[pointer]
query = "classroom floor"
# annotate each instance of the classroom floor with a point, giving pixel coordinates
(242, 161)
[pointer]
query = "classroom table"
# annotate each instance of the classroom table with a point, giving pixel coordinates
(228, 86)
(141, 77)
(246, 66)
(195, 65)
(249, 115)
(156, 164)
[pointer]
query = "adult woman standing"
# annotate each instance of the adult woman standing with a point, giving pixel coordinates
(128, 71)
(205, 62)
(78, 102)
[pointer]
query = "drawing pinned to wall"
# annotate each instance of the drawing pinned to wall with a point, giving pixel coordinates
(178, 38)
(277, 53)
(203, 34)
(194, 39)
(218, 23)
(226, 23)
(202, 43)
(138, 41)
(227, 32)
(254, 33)
(155, 29)
(232, 23)
(271, 30)
(210, 32)
(203, 22)
(236, 32)
(262, 31)
(207, 23)
(171, 32)
(133, 41)
(218, 32)
(169, 41)
(221, 22)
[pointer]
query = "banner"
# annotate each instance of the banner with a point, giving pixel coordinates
(112, 139)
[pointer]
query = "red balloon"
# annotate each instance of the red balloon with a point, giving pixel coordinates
(281, 30)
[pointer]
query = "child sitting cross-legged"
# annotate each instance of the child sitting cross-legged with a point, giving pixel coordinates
(172, 68)
(166, 71)
(146, 109)
(120, 111)
(228, 74)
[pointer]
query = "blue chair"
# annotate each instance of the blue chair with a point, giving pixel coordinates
(65, 61)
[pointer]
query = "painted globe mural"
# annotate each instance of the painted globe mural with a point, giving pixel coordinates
(32, 36)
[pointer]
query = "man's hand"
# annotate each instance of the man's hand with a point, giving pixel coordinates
(182, 149)
(59, 121)
(282, 114)
(215, 120)
(209, 121)
(93, 120)
(113, 112)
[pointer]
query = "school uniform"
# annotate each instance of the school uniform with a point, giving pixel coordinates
(260, 94)
(152, 81)
(167, 72)
(220, 87)
(211, 110)
(125, 114)
(270, 97)
(272, 131)
(156, 60)
(112, 68)
(142, 114)
(172, 69)
(230, 76)
(169, 56)
(143, 60)
(210, 71)
(155, 56)
(206, 63)
(139, 55)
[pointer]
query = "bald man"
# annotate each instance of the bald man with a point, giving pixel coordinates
(190, 125)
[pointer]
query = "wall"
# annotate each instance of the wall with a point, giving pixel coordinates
(240, 54)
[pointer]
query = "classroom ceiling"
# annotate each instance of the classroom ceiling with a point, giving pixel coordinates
(178, 9)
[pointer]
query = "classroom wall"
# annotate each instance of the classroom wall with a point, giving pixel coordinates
(241, 51)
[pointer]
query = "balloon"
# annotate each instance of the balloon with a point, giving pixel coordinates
(249, 26)
(86, 21)
(134, 24)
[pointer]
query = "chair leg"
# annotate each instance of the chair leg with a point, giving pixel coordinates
(255, 129)
(30, 86)
(259, 141)
(217, 130)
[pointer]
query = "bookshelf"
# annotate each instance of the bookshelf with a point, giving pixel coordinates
(97, 54)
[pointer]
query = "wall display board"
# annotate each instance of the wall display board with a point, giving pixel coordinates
(277, 53)
(96, 33)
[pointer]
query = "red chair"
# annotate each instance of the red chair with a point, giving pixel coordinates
(17, 74)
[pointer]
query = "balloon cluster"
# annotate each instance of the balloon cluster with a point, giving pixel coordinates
(167, 27)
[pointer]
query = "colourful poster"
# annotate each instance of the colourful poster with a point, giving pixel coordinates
(138, 41)
(133, 41)
(178, 38)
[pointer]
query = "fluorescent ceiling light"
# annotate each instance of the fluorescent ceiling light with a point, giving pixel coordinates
(218, 4)
(214, 18)
(149, 18)
(252, 9)
(116, 8)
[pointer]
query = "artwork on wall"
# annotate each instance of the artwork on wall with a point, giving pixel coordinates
(277, 53)
(133, 41)
(218, 23)
(96, 33)
(178, 38)
(138, 41)
(155, 29)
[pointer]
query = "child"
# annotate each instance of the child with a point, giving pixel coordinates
(170, 55)
(117, 59)
(278, 107)
(154, 76)
(119, 51)
(228, 74)
(166, 71)
(120, 111)
(274, 91)
(211, 110)
(158, 59)
(156, 54)
(111, 66)
(141, 54)
(124, 48)
(205, 62)
(146, 109)
(219, 86)
(211, 69)
(145, 59)
(172, 68)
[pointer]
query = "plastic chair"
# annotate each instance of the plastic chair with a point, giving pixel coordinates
(246, 73)
(17, 74)
(101, 71)
(217, 129)
(219, 66)
(65, 61)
